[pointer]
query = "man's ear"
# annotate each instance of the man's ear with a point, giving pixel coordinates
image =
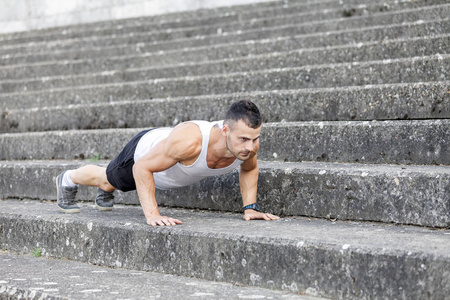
(225, 130)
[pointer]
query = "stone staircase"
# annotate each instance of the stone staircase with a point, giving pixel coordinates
(355, 150)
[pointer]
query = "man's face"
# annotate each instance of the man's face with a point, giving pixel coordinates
(242, 141)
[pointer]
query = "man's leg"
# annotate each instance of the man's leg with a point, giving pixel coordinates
(89, 175)
(92, 175)
(120, 174)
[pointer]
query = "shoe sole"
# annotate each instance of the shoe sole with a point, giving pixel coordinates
(65, 210)
(101, 208)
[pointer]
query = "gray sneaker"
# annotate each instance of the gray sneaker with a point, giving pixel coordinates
(104, 200)
(66, 196)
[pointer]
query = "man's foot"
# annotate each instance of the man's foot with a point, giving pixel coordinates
(104, 200)
(66, 196)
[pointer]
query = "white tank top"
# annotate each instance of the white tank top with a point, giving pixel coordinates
(180, 175)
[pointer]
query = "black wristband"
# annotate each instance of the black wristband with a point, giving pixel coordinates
(254, 206)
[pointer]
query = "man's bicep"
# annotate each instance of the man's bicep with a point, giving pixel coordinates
(182, 144)
(157, 159)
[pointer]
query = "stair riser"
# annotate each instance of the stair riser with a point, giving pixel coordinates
(389, 142)
(369, 34)
(418, 101)
(366, 52)
(423, 69)
(307, 26)
(393, 50)
(210, 18)
(77, 280)
(345, 185)
(388, 194)
(322, 270)
(178, 21)
(13, 292)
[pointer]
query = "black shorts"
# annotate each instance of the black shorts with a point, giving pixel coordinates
(120, 170)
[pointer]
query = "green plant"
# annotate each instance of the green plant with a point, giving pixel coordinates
(95, 157)
(37, 252)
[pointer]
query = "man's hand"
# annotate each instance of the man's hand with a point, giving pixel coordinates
(162, 221)
(251, 214)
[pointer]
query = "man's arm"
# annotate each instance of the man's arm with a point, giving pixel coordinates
(182, 144)
(248, 180)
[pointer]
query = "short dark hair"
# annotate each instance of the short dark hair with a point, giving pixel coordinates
(244, 110)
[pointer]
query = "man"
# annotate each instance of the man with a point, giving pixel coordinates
(168, 158)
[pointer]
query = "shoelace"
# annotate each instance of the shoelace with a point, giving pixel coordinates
(105, 196)
(69, 195)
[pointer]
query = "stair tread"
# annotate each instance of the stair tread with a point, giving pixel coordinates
(265, 164)
(357, 236)
(27, 276)
(426, 69)
(206, 16)
(336, 54)
(354, 153)
(324, 39)
(406, 101)
(240, 29)
(283, 61)
(397, 142)
(318, 256)
(402, 194)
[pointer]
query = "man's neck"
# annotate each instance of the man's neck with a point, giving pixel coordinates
(218, 155)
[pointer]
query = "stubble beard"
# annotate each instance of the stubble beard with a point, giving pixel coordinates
(234, 153)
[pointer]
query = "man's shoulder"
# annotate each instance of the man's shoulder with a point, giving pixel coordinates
(185, 141)
(187, 131)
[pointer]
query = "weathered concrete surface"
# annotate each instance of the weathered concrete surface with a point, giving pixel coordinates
(426, 68)
(333, 21)
(227, 18)
(375, 102)
(164, 21)
(397, 48)
(212, 17)
(317, 257)
(385, 193)
(169, 20)
(420, 69)
(37, 14)
(328, 259)
(403, 142)
(265, 45)
(31, 278)
(399, 194)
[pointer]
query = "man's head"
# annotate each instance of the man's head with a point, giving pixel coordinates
(245, 111)
(242, 127)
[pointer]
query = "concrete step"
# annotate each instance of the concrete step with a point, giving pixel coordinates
(319, 77)
(265, 45)
(203, 17)
(389, 49)
(375, 102)
(49, 76)
(401, 194)
(306, 256)
(392, 142)
(250, 16)
(183, 27)
(419, 69)
(28, 277)
(428, 68)
(164, 43)
(212, 17)
(331, 20)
